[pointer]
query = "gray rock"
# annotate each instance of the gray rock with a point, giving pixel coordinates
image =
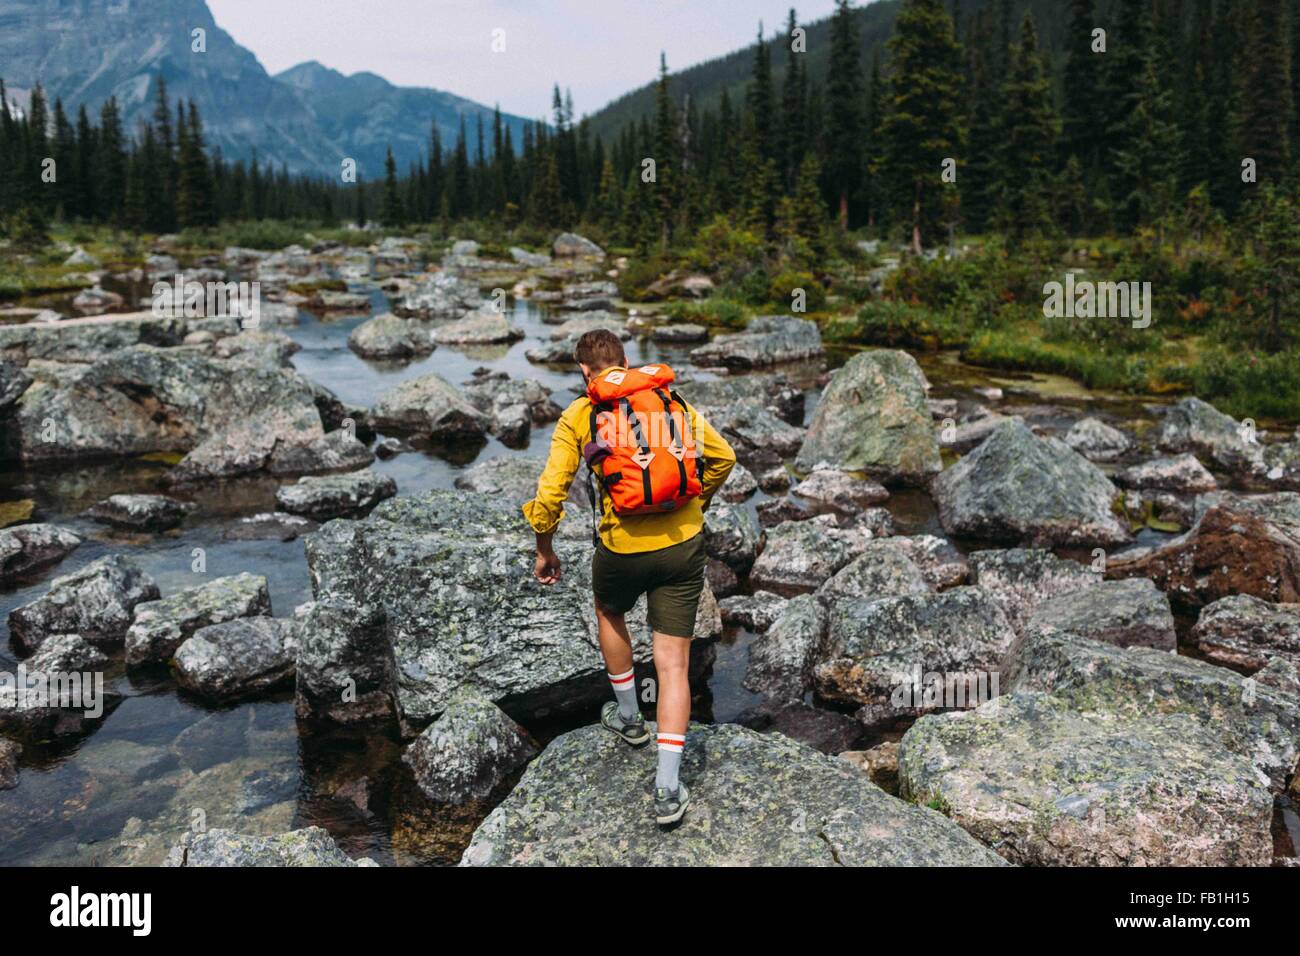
(344, 664)
(273, 525)
(800, 555)
(575, 328)
(780, 661)
(756, 800)
(883, 569)
(453, 572)
(1198, 427)
(1131, 613)
(1243, 632)
(87, 340)
(1019, 488)
(65, 675)
(873, 418)
(740, 485)
(441, 296)
(771, 390)
(512, 405)
(840, 490)
(880, 653)
(827, 731)
(96, 601)
(96, 300)
(1183, 474)
(1021, 579)
(941, 564)
(237, 659)
(334, 451)
(1097, 441)
(532, 260)
(257, 348)
(481, 327)
(311, 846)
(10, 751)
(141, 512)
(553, 353)
(759, 437)
(390, 336)
(775, 481)
(1047, 785)
(333, 496)
(27, 548)
(683, 332)
(162, 626)
(1251, 717)
(767, 340)
(13, 382)
(731, 535)
(428, 405)
(513, 480)
(754, 612)
(469, 751)
(570, 245)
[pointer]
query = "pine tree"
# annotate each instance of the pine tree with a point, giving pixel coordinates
(665, 155)
(110, 165)
(793, 121)
(1083, 113)
(759, 100)
(1268, 106)
(1030, 131)
(844, 154)
(391, 213)
(194, 185)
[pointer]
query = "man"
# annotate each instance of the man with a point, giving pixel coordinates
(660, 555)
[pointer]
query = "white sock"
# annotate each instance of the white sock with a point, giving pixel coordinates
(670, 760)
(625, 693)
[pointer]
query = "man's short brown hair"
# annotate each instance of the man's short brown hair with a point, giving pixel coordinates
(599, 349)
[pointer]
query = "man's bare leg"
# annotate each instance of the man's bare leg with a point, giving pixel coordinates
(623, 714)
(672, 664)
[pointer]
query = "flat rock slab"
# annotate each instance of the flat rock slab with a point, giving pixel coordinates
(237, 659)
(161, 627)
(1244, 632)
(756, 800)
(333, 496)
(141, 512)
(311, 846)
(1046, 785)
(97, 601)
(1129, 613)
(767, 340)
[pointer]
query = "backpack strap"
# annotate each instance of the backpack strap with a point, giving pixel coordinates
(634, 423)
(676, 437)
(593, 483)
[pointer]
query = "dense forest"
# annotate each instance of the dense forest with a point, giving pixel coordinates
(1156, 126)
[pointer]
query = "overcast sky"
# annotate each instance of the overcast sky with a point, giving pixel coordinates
(599, 48)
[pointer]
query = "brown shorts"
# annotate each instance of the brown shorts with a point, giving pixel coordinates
(671, 578)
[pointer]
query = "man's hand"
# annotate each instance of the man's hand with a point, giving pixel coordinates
(547, 567)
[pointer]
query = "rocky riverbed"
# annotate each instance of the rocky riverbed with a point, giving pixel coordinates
(295, 555)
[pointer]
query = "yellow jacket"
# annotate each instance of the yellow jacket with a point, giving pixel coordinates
(635, 533)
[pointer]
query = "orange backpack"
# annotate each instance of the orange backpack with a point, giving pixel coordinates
(641, 441)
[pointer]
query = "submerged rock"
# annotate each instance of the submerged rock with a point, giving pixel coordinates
(873, 418)
(767, 340)
(1019, 488)
(96, 601)
(27, 548)
(161, 626)
(1047, 785)
(237, 659)
(141, 512)
(756, 800)
(1244, 632)
(312, 846)
(332, 496)
(467, 752)
(1131, 613)
(276, 525)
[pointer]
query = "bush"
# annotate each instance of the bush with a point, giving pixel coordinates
(782, 289)
(1254, 384)
(722, 312)
(897, 324)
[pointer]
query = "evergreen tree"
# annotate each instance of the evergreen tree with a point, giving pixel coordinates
(1030, 132)
(844, 154)
(1268, 106)
(391, 213)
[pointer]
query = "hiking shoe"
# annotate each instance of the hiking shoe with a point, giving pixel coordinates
(671, 805)
(633, 731)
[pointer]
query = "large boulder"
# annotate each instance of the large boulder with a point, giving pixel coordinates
(771, 390)
(880, 653)
(756, 800)
(1021, 579)
(1097, 441)
(512, 405)
(1243, 632)
(390, 336)
(1129, 613)
(780, 661)
(334, 496)
(570, 245)
(1184, 474)
(1240, 545)
(873, 418)
(513, 480)
(344, 664)
(90, 339)
(335, 451)
(1198, 427)
(884, 569)
(237, 659)
(1047, 785)
(97, 601)
(1019, 488)
(767, 340)
(27, 548)
(162, 626)
(311, 846)
(452, 573)
(441, 296)
(800, 555)
(467, 752)
(428, 405)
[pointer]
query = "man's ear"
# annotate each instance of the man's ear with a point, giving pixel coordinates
(586, 372)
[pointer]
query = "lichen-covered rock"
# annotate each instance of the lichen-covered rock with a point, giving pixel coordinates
(942, 565)
(1198, 427)
(1019, 488)
(311, 846)
(801, 555)
(161, 626)
(13, 382)
(839, 489)
(141, 512)
(570, 245)
(428, 405)
(27, 548)
(64, 693)
(1131, 613)
(512, 405)
(880, 763)
(1250, 717)
(883, 569)
(237, 659)
(875, 649)
(754, 612)
(334, 451)
(873, 418)
(1044, 784)
(453, 574)
(89, 339)
(257, 348)
(740, 485)
(390, 336)
(759, 437)
(1097, 441)
(731, 535)
(1240, 545)
(1244, 632)
(344, 662)
(513, 480)
(469, 751)
(96, 601)
(10, 751)
(755, 800)
(480, 327)
(1021, 579)
(780, 661)
(441, 296)
(767, 340)
(321, 497)
(1182, 474)
(771, 390)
